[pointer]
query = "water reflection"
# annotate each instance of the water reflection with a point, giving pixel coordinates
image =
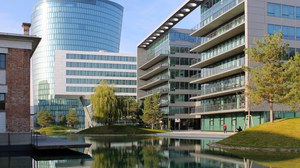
(147, 152)
(161, 153)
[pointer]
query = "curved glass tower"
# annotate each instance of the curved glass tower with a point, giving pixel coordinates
(77, 25)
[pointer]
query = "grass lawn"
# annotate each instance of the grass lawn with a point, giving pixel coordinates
(284, 133)
(54, 130)
(120, 129)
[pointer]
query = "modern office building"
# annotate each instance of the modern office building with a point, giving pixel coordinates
(164, 68)
(73, 25)
(227, 27)
(15, 53)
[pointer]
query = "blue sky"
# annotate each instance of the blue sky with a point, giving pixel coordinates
(140, 18)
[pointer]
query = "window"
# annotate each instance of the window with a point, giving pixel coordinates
(288, 11)
(298, 13)
(274, 9)
(2, 61)
(297, 33)
(2, 101)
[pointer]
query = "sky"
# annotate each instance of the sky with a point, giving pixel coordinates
(140, 18)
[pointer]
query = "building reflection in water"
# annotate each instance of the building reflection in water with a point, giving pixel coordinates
(132, 152)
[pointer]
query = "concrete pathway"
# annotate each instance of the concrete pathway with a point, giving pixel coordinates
(196, 134)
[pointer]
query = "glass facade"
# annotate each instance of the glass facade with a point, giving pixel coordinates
(173, 80)
(78, 25)
(100, 73)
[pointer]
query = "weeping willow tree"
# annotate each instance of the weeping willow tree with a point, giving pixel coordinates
(104, 104)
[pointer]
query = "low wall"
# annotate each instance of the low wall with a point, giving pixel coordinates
(13, 139)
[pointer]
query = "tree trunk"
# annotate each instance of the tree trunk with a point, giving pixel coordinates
(152, 125)
(271, 111)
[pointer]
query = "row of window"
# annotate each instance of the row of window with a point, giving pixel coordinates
(100, 65)
(180, 110)
(284, 11)
(91, 89)
(289, 33)
(175, 73)
(2, 61)
(180, 98)
(97, 81)
(180, 61)
(100, 73)
(183, 86)
(176, 36)
(101, 57)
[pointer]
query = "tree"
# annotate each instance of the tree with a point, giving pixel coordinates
(152, 114)
(104, 103)
(292, 68)
(72, 118)
(268, 76)
(63, 120)
(131, 108)
(44, 118)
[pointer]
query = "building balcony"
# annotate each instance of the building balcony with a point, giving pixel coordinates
(154, 70)
(220, 108)
(219, 75)
(199, 63)
(164, 103)
(152, 59)
(182, 104)
(219, 93)
(220, 17)
(213, 41)
(154, 82)
(161, 91)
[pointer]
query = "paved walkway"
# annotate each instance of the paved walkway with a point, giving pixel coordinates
(196, 134)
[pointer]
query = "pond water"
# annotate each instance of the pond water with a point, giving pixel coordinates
(147, 152)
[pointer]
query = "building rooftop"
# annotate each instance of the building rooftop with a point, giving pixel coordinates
(11, 36)
(179, 14)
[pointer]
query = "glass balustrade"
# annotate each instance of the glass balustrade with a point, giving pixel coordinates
(164, 64)
(230, 102)
(225, 65)
(229, 83)
(232, 24)
(215, 11)
(223, 47)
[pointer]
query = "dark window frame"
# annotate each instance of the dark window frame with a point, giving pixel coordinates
(2, 106)
(3, 66)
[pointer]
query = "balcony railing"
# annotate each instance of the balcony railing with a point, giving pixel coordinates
(155, 54)
(220, 107)
(207, 72)
(164, 102)
(221, 49)
(220, 88)
(211, 14)
(160, 90)
(162, 77)
(165, 64)
(234, 23)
